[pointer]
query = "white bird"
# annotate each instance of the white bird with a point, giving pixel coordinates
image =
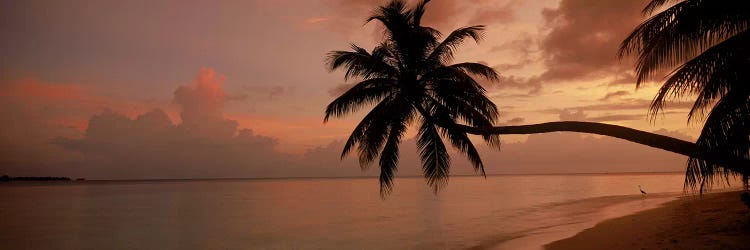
(643, 193)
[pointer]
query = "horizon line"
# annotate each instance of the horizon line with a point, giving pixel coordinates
(74, 179)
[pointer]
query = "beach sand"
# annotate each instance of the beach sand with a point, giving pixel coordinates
(714, 221)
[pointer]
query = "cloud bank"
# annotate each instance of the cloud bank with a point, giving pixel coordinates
(204, 144)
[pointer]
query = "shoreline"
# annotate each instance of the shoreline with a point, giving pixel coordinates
(574, 217)
(719, 220)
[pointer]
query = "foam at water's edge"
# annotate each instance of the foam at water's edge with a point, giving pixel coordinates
(587, 214)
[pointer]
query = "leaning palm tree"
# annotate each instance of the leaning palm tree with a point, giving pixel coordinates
(409, 78)
(706, 45)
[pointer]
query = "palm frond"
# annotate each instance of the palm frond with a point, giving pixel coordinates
(378, 113)
(448, 112)
(459, 139)
(435, 159)
(656, 4)
(457, 109)
(419, 12)
(386, 51)
(451, 83)
(681, 32)
(393, 16)
(709, 75)
(361, 94)
(477, 69)
(726, 130)
(443, 52)
(401, 116)
(493, 141)
(397, 20)
(455, 74)
(360, 63)
(373, 139)
(389, 163)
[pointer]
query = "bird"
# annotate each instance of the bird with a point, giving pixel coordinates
(643, 193)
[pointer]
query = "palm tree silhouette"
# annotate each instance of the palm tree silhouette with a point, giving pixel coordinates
(408, 74)
(408, 78)
(707, 45)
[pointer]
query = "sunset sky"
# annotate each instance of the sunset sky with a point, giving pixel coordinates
(187, 89)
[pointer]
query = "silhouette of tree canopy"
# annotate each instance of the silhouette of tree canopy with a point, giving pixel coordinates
(407, 74)
(408, 78)
(706, 46)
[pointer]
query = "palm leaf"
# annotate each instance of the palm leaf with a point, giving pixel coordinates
(360, 63)
(477, 69)
(373, 139)
(361, 94)
(681, 32)
(435, 159)
(443, 52)
(400, 119)
(460, 140)
(378, 113)
(656, 4)
(419, 12)
(726, 130)
(709, 75)
(459, 110)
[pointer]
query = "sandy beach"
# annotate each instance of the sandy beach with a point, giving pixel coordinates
(714, 221)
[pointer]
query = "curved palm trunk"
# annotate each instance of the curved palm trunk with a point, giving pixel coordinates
(667, 143)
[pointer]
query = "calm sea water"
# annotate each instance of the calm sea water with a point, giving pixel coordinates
(498, 212)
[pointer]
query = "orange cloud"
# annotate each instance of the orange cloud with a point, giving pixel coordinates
(57, 105)
(316, 20)
(63, 104)
(202, 103)
(32, 88)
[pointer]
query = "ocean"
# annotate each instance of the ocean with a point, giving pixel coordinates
(499, 212)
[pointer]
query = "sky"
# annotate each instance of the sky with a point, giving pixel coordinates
(215, 89)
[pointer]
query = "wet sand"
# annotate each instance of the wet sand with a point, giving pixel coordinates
(714, 221)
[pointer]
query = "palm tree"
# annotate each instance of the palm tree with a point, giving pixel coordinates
(409, 78)
(706, 45)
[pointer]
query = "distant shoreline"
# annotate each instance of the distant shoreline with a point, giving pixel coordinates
(6, 178)
(346, 177)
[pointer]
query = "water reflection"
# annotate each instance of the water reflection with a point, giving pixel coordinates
(312, 213)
